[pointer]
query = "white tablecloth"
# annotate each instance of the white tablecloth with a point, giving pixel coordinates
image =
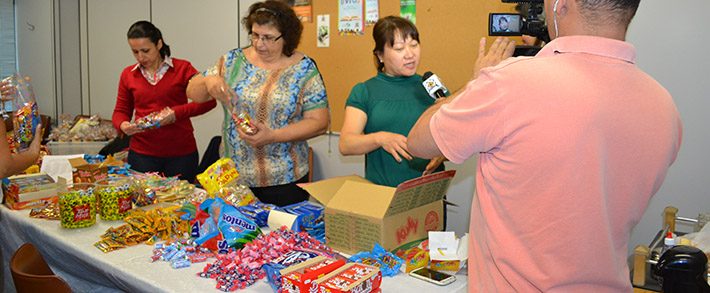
(71, 254)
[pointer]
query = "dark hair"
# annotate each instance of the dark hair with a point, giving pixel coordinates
(280, 15)
(609, 11)
(145, 29)
(384, 31)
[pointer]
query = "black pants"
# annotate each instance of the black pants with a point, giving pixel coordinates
(184, 167)
(282, 195)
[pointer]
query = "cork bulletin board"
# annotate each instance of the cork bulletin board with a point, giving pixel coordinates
(449, 31)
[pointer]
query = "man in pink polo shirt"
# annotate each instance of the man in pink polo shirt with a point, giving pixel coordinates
(572, 144)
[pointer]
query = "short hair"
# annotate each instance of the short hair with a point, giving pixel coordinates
(281, 16)
(145, 29)
(502, 18)
(606, 11)
(384, 31)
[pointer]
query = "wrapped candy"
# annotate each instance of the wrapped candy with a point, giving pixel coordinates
(26, 116)
(144, 226)
(155, 119)
(243, 120)
(77, 206)
(114, 198)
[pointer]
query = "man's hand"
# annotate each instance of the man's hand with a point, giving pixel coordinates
(501, 49)
(433, 164)
(395, 144)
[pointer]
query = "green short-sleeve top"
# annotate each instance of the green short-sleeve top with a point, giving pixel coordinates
(392, 104)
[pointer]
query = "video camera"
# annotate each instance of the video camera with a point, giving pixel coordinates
(528, 23)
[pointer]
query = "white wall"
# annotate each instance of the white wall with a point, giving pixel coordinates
(671, 38)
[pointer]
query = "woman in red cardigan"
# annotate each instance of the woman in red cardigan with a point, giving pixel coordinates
(157, 83)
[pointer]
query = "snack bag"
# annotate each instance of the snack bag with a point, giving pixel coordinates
(220, 174)
(26, 116)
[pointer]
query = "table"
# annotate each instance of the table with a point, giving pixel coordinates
(72, 256)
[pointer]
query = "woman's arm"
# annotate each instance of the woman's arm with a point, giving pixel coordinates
(11, 164)
(354, 142)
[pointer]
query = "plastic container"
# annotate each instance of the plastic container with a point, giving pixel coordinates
(77, 206)
(25, 111)
(114, 198)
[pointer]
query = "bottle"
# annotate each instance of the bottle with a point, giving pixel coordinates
(26, 112)
(668, 242)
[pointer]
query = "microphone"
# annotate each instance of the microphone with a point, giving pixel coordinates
(433, 85)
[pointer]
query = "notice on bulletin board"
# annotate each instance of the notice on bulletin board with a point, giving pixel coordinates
(303, 10)
(323, 31)
(350, 14)
(372, 11)
(408, 10)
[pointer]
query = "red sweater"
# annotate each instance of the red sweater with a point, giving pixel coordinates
(136, 94)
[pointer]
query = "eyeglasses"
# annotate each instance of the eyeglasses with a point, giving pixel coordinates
(266, 39)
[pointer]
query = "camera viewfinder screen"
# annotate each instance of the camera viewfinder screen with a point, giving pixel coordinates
(504, 24)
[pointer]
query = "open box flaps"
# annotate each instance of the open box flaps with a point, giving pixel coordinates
(359, 214)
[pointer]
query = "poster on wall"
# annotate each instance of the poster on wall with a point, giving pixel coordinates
(350, 15)
(304, 10)
(372, 11)
(408, 10)
(323, 31)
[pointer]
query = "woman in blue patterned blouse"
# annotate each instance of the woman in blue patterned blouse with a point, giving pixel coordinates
(281, 90)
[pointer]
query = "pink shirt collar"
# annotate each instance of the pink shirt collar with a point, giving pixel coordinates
(599, 46)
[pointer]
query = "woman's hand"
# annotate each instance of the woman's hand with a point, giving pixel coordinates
(36, 141)
(129, 128)
(218, 89)
(395, 144)
(433, 164)
(263, 134)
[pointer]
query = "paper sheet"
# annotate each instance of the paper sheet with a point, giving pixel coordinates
(56, 166)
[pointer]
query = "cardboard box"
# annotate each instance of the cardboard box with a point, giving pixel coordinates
(359, 214)
(83, 172)
(31, 190)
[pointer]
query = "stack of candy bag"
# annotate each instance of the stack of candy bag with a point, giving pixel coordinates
(144, 226)
(259, 212)
(310, 218)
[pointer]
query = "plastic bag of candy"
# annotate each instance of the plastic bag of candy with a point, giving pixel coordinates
(387, 262)
(156, 119)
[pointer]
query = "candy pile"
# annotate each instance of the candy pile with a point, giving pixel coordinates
(77, 206)
(242, 268)
(49, 212)
(180, 253)
(157, 223)
(82, 129)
